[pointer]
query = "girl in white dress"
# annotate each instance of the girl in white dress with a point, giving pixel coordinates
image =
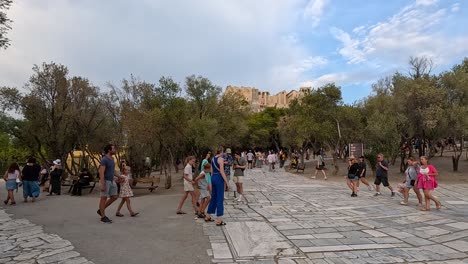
(125, 193)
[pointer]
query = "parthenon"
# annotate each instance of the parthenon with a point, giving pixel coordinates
(258, 100)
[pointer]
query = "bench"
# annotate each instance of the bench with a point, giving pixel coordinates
(74, 179)
(146, 180)
(301, 167)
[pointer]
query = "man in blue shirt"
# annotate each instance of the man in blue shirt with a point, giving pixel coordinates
(107, 183)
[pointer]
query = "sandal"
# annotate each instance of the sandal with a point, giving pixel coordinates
(181, 212)
(221, 223)
(439, 207)
(209, 220)
(134, 214)
(425, 209)
(119, 215)
(13, 203)
(201, 215)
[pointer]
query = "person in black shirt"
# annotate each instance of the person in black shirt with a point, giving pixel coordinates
(353, 175)
(30, 177)
(84, 180)
(362, 173)
(381, 175)
(56, 178)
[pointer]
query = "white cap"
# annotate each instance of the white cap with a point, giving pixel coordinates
(57, 162)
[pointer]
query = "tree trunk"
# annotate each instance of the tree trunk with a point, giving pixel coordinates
(456, 154)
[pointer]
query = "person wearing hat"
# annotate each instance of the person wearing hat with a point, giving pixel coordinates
(55, 178)
(228, 160)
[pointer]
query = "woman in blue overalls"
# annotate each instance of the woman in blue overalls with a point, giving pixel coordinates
(218, 181)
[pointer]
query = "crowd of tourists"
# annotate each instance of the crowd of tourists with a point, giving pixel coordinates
(419, 176)
(207, 183)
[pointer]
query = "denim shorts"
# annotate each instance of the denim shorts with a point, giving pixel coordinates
(111, 189)
(353, 177)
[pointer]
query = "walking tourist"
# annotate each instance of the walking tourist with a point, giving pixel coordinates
(320, 165)
(381, 175)
(56, 178)
(427, 182)
(411, 174)
(205, 160)
(107, 183)
(188, 187)
(258, 159)
(10, 177)
(228, 160)
(282, 158)
(353, 175)
(218, 179)
(204, 184)
(30, 178)
(271, 161)
(250, 158)
(125, 192)
(362, 173)
(239, 168)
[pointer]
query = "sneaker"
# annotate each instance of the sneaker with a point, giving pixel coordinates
(377, 194)
(98, 212)
(240, 198)
(313, 177)
(106, 220)
(369, 187)
(325, 178)
(403, 203)
(393, 194)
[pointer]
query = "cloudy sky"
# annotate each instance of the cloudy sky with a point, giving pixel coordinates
(272, 45)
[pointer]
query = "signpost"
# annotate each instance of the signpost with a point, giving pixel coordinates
(356, 150)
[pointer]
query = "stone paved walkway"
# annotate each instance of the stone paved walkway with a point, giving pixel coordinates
(22, 242)
(294, 219)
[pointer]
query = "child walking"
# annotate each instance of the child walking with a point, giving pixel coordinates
(10, 177)
(125, 193)
(204, 183)
(188, 187)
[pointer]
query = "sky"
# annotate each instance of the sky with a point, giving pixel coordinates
(271, 45)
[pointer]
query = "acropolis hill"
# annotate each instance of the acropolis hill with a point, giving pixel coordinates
(258, 100)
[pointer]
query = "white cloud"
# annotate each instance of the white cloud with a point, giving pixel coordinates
(351, 47)
(362, 76)
(411, 32)
(455, 7)
(231, 42)
(426, 2)
(314, 11)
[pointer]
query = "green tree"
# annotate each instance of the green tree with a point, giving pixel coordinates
(5, 23)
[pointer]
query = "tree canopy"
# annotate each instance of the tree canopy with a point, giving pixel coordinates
(166, 121)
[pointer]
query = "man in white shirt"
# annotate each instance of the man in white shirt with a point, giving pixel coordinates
(271, 160)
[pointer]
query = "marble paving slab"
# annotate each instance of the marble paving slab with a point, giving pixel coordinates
(457, 202)
(255, 239)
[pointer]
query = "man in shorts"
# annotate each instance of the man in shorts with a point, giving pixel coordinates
(239, 167)
(362, 173)
(250, 158)
(381, 175)
(107, 183)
